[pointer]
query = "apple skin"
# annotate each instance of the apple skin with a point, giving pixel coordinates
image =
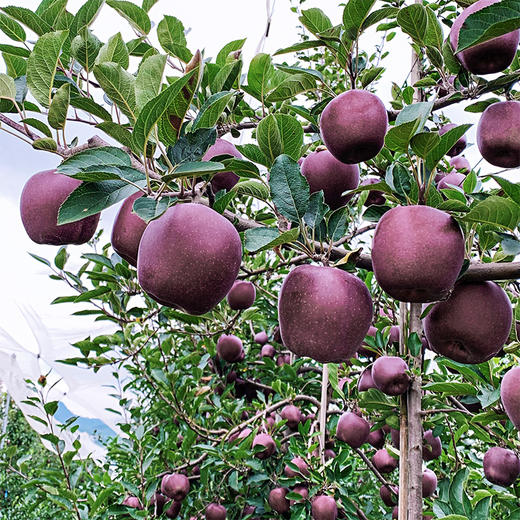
(241, 296)
(127, 230)
(262, 439)
(429, 483)
(395, 437)
(261, 337)
(277, 500)
(324, 508)
(352, 429)
(133, 502)
(389, 498)
(501, 466)
(384, 462)
(189, 258)
(401, 253)
(42, 196)
(450, 180)
(292, 415)
(498, 134)
(324, 172)
(175, 486)
(510, 394)
(390, 375)
(301, 490)
(489, 57)
(174, 510)
(366, 382)
(215, 512)
(229, 348)
(432, 446)
(472, 325)
(460, 164)
(459, 146)
(376, 439)
(321, 306)
(158, 501)
(267, 351)
(375, 197)
(353, 126)
(329, 454)
(302, 466)
(222, 180)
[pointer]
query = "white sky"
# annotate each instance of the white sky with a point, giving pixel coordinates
(213, 24)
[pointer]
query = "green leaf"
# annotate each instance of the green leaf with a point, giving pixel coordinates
(212, 109)
(423, 143)
(16, 66)
(262, 239)
(46, 144)
(315, 20)
(117, 132)
(316, 211)
(495, 210)
(300, 46)
(85, 48)
(103, 156)
(13, 50)
(354, 14)
(150, 209)
(511, 189)
(89, 198)
(115, 51)
(51, 11)
(192, 145)
(59, 108)
(170, 32)
(41, 65)
(28, 18)
(291, 87)
(252, 188)
(90, 106)
(148, 4)
(39, 125)
(133, 14)
(452, 388)
(398, 137)
(171, 100)
(52, 406)
(481, 510)
(7, 87)
(260, 70)
(456, 491)
(253, 153)
(379, 15)
(242, 168)
(85, 16)
(434, 36)
(278, 134)
(149, 79)
(446, 143)
(289, 188)
(488, 23)
(337, 224)
(119, 86)
(12, 29)
(420, 111)
(413, 20)
(226, 76)
(230, 47)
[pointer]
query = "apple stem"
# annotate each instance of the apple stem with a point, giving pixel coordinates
(324, 404)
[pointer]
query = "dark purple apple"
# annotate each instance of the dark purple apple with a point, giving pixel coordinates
(133, 502)
(222, 180)
(497, 134)
(390, 374)
(352, 429)
(376, 439)
(174, 510)
(353, 126)
(283, 359)
(461, 164)
(404, 265)
(300, 464)
(215, 512)
(324, 172)
(292, 415)
(229, 348)
(158, 501)
(175, 486)
(510, 394)
(303, 491)
(489, 57)
(389, 495)
(384, 462)
(277, 500)
(366, 382)
(266, 441)
(324, 508)
(189, 258)
(395, 437)
(451, 180)
(127, 230)
(324, 313)
(42, 196)
(501, 466)
(432, 446)
(261, 337)
(375, 197)
(459, 146)
(472, 325)
(248, 510)
(429, 483)
(329, 454)
(267, 351)
(395, 513)
(394, 335)
(241, 296)
(277, 337)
